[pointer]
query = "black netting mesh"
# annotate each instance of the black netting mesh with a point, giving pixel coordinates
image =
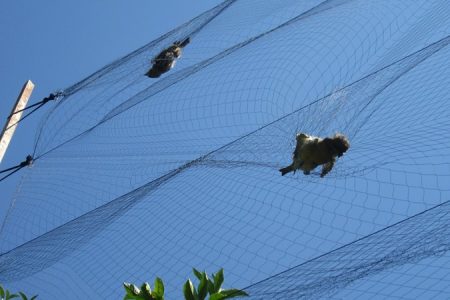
(136, 177)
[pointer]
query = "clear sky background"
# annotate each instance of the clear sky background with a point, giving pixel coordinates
(57, 43)
(232, 209)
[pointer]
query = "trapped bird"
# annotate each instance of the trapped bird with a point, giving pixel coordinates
(312, 151)
(166, 59)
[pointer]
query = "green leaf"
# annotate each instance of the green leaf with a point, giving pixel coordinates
(2, 292)
(159, 288)
(211, 287)
(197, 273)
(24, 297)
(231, 293)
(11, 296)
(215, 296)
(203, 287)
(188, 290)
(131, 289)
(146, 291)
(218, 280)
(130, 297)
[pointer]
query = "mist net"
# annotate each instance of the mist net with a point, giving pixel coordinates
(137, 177)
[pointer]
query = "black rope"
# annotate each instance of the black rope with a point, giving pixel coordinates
(39, 104)
(50, 97)
(24, 117)
(26, 163)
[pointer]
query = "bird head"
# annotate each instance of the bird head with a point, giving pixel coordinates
(341, 144)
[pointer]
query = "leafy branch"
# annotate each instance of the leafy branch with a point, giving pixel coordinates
(7, 295)
(145, 292)
(206, 286)
(209, 285)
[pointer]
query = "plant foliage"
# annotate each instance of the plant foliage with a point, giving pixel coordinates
(7, 295)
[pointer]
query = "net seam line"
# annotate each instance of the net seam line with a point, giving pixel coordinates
(75, 87)
(204, 157)
(349, 244)
(194, 162)
(200, 66)
(280, 118)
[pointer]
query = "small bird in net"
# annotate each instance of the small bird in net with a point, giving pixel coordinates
(166, 60)
(312, 151)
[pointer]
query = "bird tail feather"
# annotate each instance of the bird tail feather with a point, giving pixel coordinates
(286, 170)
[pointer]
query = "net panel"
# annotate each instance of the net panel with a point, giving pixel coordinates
(137, 178)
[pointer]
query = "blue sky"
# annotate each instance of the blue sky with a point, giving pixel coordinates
(232, 209)
(57, 43)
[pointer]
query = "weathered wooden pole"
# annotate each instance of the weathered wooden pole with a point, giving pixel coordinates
(13, 119)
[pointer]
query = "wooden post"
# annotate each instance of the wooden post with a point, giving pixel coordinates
(11, 123)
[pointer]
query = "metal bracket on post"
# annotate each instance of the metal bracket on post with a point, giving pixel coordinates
(16, 113)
